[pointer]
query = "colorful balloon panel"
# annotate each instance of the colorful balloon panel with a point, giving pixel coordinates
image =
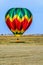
(18, 20)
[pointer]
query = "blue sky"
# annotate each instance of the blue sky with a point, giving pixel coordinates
(35, 6)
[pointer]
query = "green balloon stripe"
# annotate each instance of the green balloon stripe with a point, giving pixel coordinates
(18, 33)
(19, 11)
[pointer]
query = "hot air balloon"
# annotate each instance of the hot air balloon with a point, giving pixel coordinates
(18, 20)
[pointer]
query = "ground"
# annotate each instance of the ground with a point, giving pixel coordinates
(21, 52)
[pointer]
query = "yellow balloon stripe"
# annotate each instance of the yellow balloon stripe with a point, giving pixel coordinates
(16, 16)
(17, 31)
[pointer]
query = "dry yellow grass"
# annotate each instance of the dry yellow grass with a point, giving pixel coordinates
(30, 39)
(23, 50)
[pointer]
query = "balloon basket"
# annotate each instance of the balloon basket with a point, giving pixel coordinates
(17, 35)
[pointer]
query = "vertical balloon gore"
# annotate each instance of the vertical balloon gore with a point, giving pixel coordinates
(18, 20)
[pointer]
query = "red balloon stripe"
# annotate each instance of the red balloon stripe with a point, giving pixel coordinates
(10, 24)
(16, 24)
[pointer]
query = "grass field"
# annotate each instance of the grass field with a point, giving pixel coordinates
(23, 50)
(29, 39)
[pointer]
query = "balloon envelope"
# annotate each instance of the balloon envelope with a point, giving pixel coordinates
(18, 20)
